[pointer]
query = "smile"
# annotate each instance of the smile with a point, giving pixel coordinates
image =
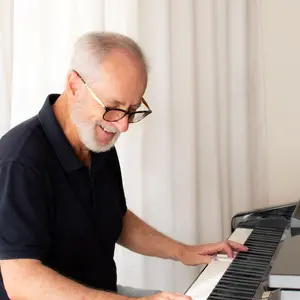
(106, 130)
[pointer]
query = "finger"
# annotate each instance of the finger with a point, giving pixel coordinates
(237, 246)
(182, 297)
(227, 249)
(174, 296)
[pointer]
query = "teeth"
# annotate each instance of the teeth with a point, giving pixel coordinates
(106, 130)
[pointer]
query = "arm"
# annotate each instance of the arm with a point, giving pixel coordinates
(144, 239)
(25, 238)
(29, 279)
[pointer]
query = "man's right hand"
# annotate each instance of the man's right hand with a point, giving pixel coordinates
(167, 296)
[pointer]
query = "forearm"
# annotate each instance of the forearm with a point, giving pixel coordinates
(24, 280)
(144, 239)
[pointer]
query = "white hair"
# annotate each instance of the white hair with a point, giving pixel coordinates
(92, 48)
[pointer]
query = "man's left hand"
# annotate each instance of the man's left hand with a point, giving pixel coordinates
(203, 254)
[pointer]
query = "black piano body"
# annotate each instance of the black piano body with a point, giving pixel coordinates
(247, 277)
(274, 216)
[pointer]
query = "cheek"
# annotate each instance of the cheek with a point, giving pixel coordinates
(90, 115)
(95, 113)
(86, 117)
(87, 108)
(90, 111)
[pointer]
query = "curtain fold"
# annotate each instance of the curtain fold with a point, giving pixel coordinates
(200, 157)
(6, 63)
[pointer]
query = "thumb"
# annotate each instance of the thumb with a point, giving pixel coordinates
(204, 259)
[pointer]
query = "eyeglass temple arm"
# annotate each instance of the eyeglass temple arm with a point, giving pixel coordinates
(97, 99)
(79, 76)
(93, 94)
(146, 104)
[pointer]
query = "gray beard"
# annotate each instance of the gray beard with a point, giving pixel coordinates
(87, 136)
(87, 132)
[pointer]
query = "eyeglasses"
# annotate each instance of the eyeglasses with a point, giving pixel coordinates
(116, 114)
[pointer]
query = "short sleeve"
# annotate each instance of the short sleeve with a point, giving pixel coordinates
(24, 212)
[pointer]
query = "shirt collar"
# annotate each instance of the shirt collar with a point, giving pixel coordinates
(63, 149)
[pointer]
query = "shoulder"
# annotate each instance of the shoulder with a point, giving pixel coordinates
(25, 144)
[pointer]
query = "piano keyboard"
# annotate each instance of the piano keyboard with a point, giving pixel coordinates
(238, 277)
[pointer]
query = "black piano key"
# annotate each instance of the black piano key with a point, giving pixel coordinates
(254, 256)
(236, 286)
(261, 251)
(251, 253)
(228, 297)
(262, 244)
(249, 257)
(232, 291)
(266, 247)
(243, 273)
(239, 264)
(228, 292)
(247, 267)
(252, 266)
(220, 297)
(251, 284)
(254, 261)
(265, 238)
(232, 277)
(267, 229)
(268, 234)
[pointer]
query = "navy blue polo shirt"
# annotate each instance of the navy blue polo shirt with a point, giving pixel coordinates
(55, 209)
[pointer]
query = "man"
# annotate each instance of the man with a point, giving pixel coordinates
(62, 205)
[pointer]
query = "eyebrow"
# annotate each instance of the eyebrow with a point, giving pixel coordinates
(115, 102)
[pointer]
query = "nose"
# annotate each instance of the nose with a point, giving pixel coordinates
(123, 124)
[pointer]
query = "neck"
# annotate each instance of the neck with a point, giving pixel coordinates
(62, 114)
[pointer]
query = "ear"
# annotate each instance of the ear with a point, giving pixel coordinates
(72, 84)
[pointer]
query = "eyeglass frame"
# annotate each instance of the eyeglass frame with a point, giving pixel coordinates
(107, 109)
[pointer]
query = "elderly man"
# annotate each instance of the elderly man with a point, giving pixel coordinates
(62, 205)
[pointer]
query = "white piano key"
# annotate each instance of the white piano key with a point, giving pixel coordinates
(204, 285)
(209, 278)
(240, 235)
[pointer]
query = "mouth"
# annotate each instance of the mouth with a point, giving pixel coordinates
(106, 130)
(107, 134)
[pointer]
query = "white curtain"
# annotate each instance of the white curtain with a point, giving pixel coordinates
(200, 157)
(6, 59)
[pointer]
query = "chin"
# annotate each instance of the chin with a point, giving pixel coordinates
(104, 148)
(90, 141)
(96, 146)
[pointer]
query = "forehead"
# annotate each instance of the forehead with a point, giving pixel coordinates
(121, 71)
